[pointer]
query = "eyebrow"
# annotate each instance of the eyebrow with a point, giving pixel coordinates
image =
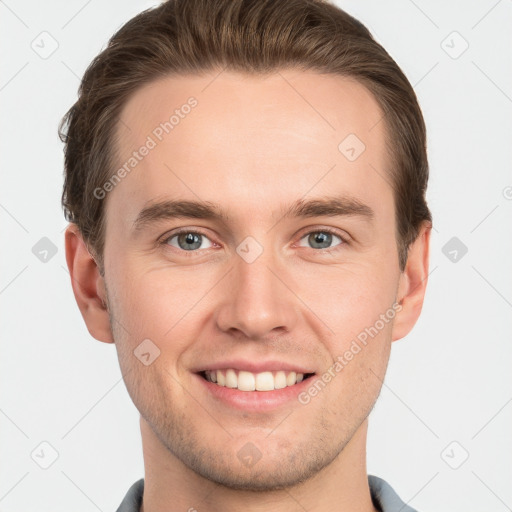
(186, 209)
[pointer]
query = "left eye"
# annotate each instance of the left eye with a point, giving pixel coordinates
(321, 239)
(187, 240)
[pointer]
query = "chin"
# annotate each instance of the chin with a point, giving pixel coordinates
(282, 465)
(270, 477)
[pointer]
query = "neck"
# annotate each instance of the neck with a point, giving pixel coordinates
(169, 484)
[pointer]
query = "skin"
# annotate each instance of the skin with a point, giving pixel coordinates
(253, 144)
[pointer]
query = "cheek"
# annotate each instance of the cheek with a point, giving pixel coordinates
(161, 305)
(356, 304)
(351, 298)
(147, 317)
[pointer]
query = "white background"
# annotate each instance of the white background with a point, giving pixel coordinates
(449, 380)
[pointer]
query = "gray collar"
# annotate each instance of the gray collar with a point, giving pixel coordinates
(383, 496)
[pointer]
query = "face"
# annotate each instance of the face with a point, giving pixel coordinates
(271, 284)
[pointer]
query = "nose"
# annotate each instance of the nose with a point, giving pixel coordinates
(256, 300)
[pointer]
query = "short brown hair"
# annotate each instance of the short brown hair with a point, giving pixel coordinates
(250, 36)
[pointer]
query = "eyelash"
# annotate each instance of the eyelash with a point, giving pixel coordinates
(344, 239)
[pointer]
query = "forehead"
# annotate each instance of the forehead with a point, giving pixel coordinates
(250, 140)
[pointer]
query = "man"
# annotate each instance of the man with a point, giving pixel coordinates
(245, 184)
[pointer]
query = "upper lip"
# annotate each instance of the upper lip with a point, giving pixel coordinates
(254, 366)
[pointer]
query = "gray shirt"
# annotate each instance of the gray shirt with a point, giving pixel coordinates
(384, 498)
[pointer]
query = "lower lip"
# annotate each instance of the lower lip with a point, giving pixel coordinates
(255, 400)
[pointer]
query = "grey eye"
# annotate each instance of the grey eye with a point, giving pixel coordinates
(188, 240)
(321, 239)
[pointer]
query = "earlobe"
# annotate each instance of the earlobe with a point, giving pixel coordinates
(88, 285)
(412, 284)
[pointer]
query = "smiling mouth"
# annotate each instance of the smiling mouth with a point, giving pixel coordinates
(248, 381)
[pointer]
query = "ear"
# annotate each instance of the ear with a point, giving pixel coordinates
(412, 284)
(88, 285)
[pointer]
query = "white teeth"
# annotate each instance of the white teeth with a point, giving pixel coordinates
(265, 381)
(291, 379)
(231, 380)
(247, 381)
(280, 380)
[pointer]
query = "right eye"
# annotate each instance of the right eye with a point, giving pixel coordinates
(187, 240)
